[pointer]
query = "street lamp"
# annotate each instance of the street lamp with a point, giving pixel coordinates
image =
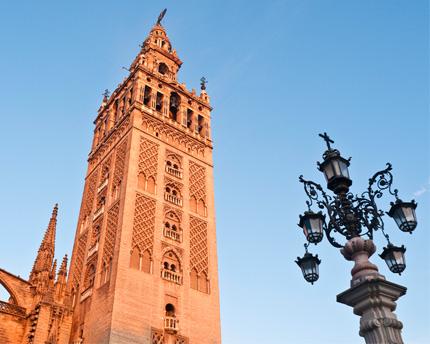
(356, 218)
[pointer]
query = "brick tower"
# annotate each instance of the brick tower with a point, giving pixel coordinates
(144, 263)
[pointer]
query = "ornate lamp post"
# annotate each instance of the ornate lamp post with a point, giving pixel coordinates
(356, 218)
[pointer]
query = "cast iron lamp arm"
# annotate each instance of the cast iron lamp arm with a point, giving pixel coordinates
(311, 190)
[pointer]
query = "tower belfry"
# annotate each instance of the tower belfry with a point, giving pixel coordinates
(144, 263)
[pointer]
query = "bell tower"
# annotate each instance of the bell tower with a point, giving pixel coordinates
(144, 263)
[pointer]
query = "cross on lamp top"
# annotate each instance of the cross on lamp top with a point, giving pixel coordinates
(327, 140)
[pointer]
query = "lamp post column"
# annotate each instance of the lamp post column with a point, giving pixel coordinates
(372, 297)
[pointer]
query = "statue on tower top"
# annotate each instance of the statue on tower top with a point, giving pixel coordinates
(161, 16)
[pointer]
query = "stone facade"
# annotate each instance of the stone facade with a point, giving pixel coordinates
(144, 262)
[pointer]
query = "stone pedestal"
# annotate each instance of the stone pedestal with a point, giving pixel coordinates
(372, 297)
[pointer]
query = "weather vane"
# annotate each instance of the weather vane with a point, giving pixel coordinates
(161, 16)
(327, 140)
(107, 93)
(203, 83)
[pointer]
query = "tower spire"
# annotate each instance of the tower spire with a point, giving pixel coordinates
(45, 255)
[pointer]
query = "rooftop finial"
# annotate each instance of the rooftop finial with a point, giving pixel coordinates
(106, 94)
(161, 16)
(203, 83)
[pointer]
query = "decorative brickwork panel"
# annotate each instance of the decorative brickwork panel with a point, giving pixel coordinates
(169, 181)
(90, 194)
(80, 257)
(169, 153)
(157, 337)
(197, 181)
(111, 229)
(199, 245)
(106, 168)
(119, 163)
(177, 212)
(144, 222)
(148, 158)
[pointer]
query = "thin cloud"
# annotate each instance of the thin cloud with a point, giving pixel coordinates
(425, 188)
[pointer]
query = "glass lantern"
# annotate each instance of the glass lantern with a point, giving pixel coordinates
(309, 265)
(395, 258)
(335, 169)
(404, 215)
(312, 225)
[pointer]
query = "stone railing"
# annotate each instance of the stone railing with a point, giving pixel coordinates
(98, 212)
(86, 293)
(171, 234)
(171, 276)
(12, 309)
(102, 185)
(171, 324)
(174, 171)
(93, 249)
(173, 199)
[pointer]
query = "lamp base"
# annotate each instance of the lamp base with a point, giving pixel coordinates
(373, 299)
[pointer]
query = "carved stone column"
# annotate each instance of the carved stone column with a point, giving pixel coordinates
(372, 297)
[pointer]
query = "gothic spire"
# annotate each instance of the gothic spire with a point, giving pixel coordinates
(45, 255)
(62, 273)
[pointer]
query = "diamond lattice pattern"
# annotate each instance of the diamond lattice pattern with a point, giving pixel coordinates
(148, 158)
(119, 163)
(111, 228)
(197, 181)
(144, 220)
(198, 245)
(80, 255)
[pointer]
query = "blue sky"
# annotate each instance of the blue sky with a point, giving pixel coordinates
(279, 73)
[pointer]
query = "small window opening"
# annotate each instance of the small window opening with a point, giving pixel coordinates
(201, 125)
(169, 163)
(159, 102)
(170, 310)
(173, 267)
(162, 68)
(147, 96)
(166, 265)
(168, 190)
(189, 118)
(175, 101)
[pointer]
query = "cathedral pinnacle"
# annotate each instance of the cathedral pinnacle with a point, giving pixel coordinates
(45, 255)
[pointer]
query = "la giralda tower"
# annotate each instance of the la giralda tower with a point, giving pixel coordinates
(144, 264)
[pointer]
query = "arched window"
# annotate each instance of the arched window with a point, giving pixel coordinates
(173, 166)
(173, 195)
(175, 102)
(141, 181)
(170, 310)
(159, 102)
(162, 68)
(171, 269)
(147, 96)
(172, 227)
(150, 185)
(91, 274)
(135, 258)
(201, 208)
(194, 283)
(203, 283)
(146, 262)
(193, 204)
